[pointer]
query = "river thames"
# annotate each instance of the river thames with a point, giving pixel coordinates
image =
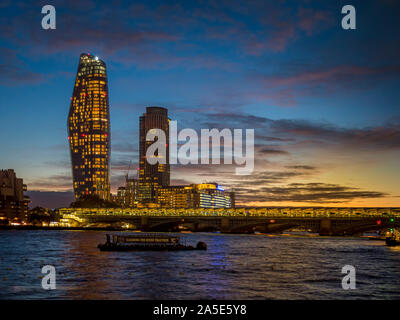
(233, 267)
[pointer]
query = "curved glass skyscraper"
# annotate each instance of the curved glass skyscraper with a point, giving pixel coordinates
(89, 129)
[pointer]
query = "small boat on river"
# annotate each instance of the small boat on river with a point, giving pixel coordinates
(393, 238)
(146, 242)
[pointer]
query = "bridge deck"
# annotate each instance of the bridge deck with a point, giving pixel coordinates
(273, 212)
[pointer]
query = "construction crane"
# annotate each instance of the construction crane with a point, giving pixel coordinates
(127, 172)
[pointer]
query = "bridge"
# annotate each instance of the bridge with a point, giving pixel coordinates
(322, 220)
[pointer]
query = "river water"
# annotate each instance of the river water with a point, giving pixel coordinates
(233, 267)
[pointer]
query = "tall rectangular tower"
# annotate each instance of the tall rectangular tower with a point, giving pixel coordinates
(89, 129)
(152, 177)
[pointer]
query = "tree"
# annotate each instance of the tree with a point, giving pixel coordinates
(92, 201)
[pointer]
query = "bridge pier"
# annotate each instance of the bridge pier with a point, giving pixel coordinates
(225, 225)
(144, 226)
(325, 228)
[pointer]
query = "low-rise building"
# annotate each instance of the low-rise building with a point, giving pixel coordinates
(205, 195)
(13, 202)
(127, 196)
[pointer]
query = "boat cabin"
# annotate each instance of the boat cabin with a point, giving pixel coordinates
(142, 238)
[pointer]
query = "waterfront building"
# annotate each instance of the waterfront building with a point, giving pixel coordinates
(152, 177)
(175, 197)
(205, 195)
(13, 202)
(89, 129)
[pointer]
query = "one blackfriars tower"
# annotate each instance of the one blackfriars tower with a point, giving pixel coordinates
(152, 177)
(89, 129)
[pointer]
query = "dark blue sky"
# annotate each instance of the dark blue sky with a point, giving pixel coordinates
(324, 101)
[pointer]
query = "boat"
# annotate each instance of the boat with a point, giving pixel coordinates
(393, 238)
(146, 242)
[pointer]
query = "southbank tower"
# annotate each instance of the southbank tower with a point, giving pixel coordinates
(89, 129)
(152, 177)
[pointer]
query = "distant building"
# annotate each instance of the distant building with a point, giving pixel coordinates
(233, 199)
(127, 196)
(89, 129)
(152, 177)
(131, 192)
(13, 203)
(176, 197)
(120, 198)
(205, 195)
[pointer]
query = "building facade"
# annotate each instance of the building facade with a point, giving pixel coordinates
(89, 129)
(127, 196)
(13, 203)
(205, 195)
(152, 177)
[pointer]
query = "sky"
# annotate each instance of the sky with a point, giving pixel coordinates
(323, 101)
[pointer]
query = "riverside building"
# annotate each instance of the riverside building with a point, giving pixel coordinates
(13, 202)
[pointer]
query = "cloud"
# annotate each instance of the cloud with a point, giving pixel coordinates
(266, 186)
(372, 138)
(301, 167)
(13, 71)
(50, 199)
(342, 74)
(286, 87)
(180, 182)
(125, 147)
(285, 25)
(304, 132)
(56, 182)
(269, 151)
(274, 139)
(138, 35)
(312, 21)
(142, 34)
(309, 192)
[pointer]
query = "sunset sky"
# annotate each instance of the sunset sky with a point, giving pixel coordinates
(324, 102)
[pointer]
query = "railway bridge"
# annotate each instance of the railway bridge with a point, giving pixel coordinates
(322, 220)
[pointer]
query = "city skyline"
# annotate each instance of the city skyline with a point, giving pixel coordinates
(323, 101)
